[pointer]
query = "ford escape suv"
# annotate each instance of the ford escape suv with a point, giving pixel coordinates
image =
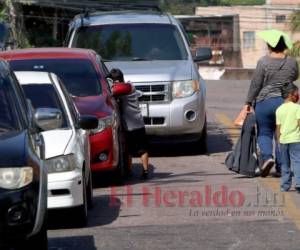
(151, 49)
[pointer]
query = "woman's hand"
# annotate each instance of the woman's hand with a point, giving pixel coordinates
(249, 108)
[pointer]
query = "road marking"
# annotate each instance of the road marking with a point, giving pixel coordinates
(290, 207)
(229, 127)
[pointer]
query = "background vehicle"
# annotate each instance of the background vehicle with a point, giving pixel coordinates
(152, 50)
(83, 75)
(67, 149)
(23, 176)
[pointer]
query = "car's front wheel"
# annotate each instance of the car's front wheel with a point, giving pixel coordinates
(120, 171)
(38, 241)
(89, 191)
(201, 144)
(81, 212)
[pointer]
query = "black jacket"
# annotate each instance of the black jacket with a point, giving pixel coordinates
(244, 158)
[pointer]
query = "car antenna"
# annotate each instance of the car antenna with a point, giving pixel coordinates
(86, 14)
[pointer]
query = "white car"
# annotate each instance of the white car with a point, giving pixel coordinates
(67, 150)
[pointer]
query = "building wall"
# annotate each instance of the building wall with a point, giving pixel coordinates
(284, 2)
(219, 33)
(253, 19)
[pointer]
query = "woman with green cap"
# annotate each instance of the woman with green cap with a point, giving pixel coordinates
(265, 93)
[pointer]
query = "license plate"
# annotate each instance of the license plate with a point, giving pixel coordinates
(144, 109)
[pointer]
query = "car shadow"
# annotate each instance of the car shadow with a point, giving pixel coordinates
(217, 142)
(104, 180)
(104, 212)
(72, 243)
(161, 178)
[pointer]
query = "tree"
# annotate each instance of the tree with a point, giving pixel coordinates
(295, 26)
(11, 14)
(295, 21)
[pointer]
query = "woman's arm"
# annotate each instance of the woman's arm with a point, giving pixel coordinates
(256, 83)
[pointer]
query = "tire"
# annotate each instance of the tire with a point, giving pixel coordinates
(81, 212)
(36, 242)
(89, 192)
(120, 171)
(201, 144)
(4, 246)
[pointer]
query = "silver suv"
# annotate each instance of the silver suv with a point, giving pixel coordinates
(152, 50)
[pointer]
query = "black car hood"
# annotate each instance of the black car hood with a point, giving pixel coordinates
(13, 148)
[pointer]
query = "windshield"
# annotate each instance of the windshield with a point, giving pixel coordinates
(78, 75)
(127, 42)
(9, 118)
(44, 96)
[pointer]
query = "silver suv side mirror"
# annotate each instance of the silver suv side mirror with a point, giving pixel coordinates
(48, 118)
(203, 54)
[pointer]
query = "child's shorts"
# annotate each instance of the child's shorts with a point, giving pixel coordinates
(137, 141)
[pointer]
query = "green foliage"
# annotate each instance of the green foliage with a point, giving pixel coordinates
(295, 26)
(3, 15)
(242, 2)
(295, 21)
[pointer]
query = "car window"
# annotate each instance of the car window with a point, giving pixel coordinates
(104, 71)
(127, 42)
(45, 96)
(9, 116)
(25, 111)
(71, 104)
(78, 75)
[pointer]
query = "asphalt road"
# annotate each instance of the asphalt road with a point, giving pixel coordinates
(191, 201)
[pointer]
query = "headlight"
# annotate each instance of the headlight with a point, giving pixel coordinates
(14, 178)
(103, 123)
(185, 88)
(61, 164)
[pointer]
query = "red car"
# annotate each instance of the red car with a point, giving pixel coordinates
(83, 74)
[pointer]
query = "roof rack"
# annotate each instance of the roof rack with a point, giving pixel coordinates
(117, 5)
(110, 5)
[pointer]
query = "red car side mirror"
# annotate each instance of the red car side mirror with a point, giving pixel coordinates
(120, 89)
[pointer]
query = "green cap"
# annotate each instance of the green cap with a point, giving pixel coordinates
(273, 36)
